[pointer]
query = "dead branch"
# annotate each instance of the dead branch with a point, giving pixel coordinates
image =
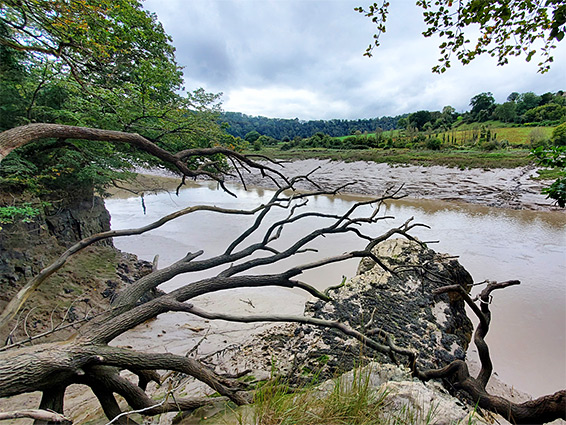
(88, 359)
(541, 410)
(25, 292)
(37, 414)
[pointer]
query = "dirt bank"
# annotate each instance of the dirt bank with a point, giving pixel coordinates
(505, 188)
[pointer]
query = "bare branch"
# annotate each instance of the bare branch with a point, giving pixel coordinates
(25, 292)
(37, 414)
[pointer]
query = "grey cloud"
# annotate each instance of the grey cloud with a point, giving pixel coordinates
(207, 60)
(273, 57)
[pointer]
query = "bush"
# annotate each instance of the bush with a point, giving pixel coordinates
(433, 144)
(490, 146)
(559, 135)
(537, 137)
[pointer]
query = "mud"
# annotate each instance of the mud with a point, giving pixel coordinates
(501, 187)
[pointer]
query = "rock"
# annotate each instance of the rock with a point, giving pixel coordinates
(78, 219)
(407, 400)
(90, 279)
(401, 304)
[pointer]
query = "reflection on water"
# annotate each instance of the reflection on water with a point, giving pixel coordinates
(528, 334)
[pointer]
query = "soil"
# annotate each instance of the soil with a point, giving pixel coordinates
(504, 188)
(515, 188)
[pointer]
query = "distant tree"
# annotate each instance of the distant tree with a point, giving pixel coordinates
(546, 98)
(527, 101)
(252, 136)
(448, 112)
(482, 105)
(547, 112)
(506, 112)
(266, 140)
(419, 119)
(506, 28)
(513, 97)
(402, 123)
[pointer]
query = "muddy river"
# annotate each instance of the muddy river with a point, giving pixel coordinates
(528, 334)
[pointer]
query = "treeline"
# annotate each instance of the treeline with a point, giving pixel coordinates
(239, 125)
(520, 108)
(420, 129)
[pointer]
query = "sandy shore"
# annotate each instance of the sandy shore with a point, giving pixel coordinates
(502, 187)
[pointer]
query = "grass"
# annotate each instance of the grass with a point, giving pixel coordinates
(351, 401)
(520, 135)
(354, 403)
(459, 158)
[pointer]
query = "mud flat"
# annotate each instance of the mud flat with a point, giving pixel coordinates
(500, 187)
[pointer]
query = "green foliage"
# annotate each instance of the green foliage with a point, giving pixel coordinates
(537, 137)
(281, 129)
(559, 135)
(99, 40)
(483, 105)
(252, 136)
(505, 28)
(257, 145)
(548, 112)
(506, 112)
(433, 144)
(419, 119)
(24, 213)
(103, 64)
(554, 157)
(354, 403)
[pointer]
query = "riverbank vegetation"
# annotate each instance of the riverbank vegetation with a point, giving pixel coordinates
(531, 131)
(89, 90)
(481, 137)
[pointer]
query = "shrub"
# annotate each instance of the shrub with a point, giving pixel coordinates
(537, 137)
(433, 144)
(490, 146)
(559, 135)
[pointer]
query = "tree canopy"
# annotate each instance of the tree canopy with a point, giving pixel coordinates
(96, 39)
(101, 64)
(506, 28)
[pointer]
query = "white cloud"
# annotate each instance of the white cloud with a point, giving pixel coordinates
(303, 58)
(284, 102)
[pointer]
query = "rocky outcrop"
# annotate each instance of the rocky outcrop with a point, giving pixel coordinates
(398, 302)
(84, 286)
(27, 247)
(407, 400)
(83, 217)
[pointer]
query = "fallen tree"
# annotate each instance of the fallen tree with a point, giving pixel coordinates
(88, 358)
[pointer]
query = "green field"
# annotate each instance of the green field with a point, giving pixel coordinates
(452, 158)
(489, 145)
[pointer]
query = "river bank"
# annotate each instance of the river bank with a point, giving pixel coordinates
(513, 188)
(172, 243)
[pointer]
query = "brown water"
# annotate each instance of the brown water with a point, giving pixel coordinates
(528, 334)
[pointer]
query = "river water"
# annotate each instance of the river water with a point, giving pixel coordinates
(527, 338)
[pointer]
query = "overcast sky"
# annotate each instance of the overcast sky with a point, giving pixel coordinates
(304, 59)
